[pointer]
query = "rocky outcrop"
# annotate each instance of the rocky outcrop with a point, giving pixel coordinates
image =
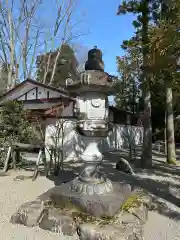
(126, 224)
(29, 213)
(54, 221)
(90, 231)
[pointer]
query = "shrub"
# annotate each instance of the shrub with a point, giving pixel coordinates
(14, 126)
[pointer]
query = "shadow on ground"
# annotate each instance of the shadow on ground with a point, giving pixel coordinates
(3, 174)
(157, 181)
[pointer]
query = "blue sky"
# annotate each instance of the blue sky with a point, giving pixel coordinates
(106, 29)
(102, 27)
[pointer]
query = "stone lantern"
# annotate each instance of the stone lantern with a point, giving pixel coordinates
(90, 190)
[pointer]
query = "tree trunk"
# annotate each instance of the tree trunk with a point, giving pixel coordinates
(128, 124)
(165, 137)
(146, 158)
(171, 152)
(11, 81)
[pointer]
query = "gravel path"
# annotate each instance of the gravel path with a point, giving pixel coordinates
(15, 193)
(160, 227)
(163, 226)
(163, 183)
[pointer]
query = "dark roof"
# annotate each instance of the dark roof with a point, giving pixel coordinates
(120, 116)
(118, 110)
(63, 91)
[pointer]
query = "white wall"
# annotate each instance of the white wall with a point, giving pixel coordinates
(42, 93)
(121, 136)
(71, 141)
(73, 144)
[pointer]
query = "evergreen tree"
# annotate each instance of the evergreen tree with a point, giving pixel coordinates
(143, 11)
(66, 66)
(128, 91)
(165, 42)
(158, 39)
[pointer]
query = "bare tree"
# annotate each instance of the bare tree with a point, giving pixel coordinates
(54, 147)
(18, 36)
(24, 34)
(64, 28)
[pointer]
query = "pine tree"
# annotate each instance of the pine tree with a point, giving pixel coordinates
(166, 42)
(128, 91)
(142, 9)
(158, 37)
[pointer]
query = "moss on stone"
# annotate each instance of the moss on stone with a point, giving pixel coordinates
(67, 205)
(134, 201)
(172, 161)
(69, 209)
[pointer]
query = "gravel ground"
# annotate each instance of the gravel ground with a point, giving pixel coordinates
(163, 226)
(160, 227)
(15, 193)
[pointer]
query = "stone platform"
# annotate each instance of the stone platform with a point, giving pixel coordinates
(126, 224)
(96, 205)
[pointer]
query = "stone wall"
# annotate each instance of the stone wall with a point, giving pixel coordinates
(63, 131)
(121, 136)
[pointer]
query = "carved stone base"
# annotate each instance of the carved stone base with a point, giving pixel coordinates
(96, 205)
(93, 186)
